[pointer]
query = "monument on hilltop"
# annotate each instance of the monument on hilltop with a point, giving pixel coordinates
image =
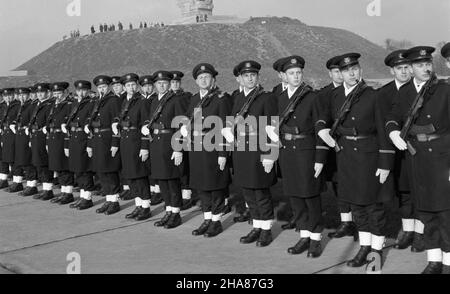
(196, 10)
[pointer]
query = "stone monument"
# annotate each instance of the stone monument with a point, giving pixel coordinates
(196, 10)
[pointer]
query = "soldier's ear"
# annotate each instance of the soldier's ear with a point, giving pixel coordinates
(392, 71)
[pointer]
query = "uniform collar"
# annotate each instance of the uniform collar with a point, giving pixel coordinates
(284, 86)
(246, 92)
(291, 92)
(418, 86)
(335, 85)
(398, 84)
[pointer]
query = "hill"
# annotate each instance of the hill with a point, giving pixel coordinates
(181, 47)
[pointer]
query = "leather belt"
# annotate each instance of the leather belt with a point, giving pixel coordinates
(33, 130)
(356, 138)
(55, 130)
(98, 130)
(162, 131)
(426, 138)
(129, 128)
(74, 129)
(243, 134)
(293, 137)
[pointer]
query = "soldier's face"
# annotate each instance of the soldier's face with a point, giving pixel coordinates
(147, 89)
(336, 76)
(294, 76)
(81, 93)
(401, 73)
(131, 88)
(421, 70)
(8, 98)
(23, 97)
(175, 85)
(102, 89)
(205, 81)
(41, 95)
(117, 88)
(33, 96)
(16, 96)
(351, 75)
(250, 80)
(447, 62)
(58, 94)
(162, 86)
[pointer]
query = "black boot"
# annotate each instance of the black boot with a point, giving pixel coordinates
(242, 218)
(164, 220)
(226, 209)
(345, 229)
(66, 199)
(58, 198)
(85, 204)
(47, 195)
(214, 229)
(288, 226)
(446, 269)
(203, 228)
(265, 238)
(174, 221)
(252, 237)
(361, 257)
(4, 184)
(187, 204)
(125, 195)
(404, 240)
(144, 214)
(418, 244)
(104, 207)
(156, 199)
(135, 213)
(433, 268)
(15, 187)
(29, 191)
(76, 203)
(39, 196)
(114, 207)
(315, 249)
(302, 245)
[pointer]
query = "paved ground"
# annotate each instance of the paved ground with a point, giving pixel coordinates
(36, 237)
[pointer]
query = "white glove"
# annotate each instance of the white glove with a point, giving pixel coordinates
(145, 130)
(318, 167)
(44, 130)
(86, 130)
(115, 129)
(270, 130)
(325, 136)
(222, 161)
(27, 132)
(114, 151)
(29, 144)
(184, 131)
(13, 128)
(398, 141)
(64, 128)
(227, 134)
(143, 154)
(268, 165)
(46, 147)
(66, 152)
(448, 173)
(383, 174)
(89, 151)
(177, 157)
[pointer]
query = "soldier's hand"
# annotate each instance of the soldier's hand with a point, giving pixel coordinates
(270, 130)
(115, 128)
(89, 151)
(29, 144)
(44, 130)
(143, 154)
(46, 147)
(64, 128)
(318, 167)
(325, 136)
(268, 165)
(27, 132)
(66, 152)
(383, 174)
(184, 131)
(13, 128)
(87, 130)
(222, 161)
(228, 135)
(114, 151)
(177, 157)
(145, 130)
(398, 141)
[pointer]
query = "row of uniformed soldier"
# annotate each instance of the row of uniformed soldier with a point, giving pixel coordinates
(131, 137)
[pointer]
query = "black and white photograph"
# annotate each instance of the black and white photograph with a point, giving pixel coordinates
(225, 144)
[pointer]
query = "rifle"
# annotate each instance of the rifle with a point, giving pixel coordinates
(246, 107)
(413, 111)
(155, 116)
(345, 109)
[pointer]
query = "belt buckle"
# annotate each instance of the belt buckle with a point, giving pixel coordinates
(156, 131)
(73, 129)
(196, 133)
(288, 137)
(422, 138)
(96, 130)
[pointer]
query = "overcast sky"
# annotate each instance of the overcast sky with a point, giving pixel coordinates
(27, 27)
